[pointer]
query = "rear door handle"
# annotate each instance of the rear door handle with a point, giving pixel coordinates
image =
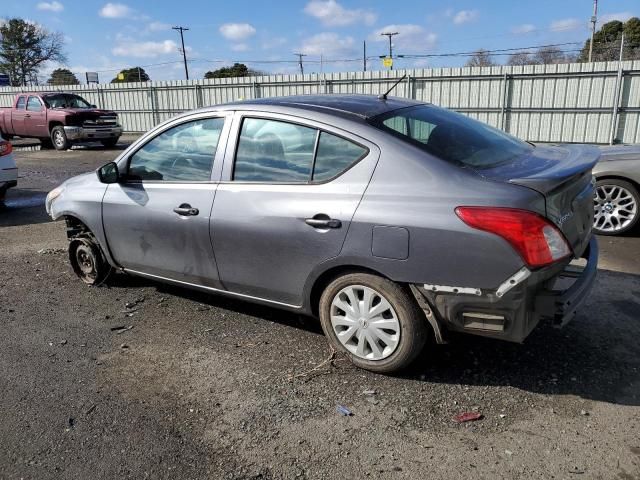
(321, 222)
(186, 210)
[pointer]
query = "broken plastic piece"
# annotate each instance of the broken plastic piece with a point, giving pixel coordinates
(467, 417)
(342, 410)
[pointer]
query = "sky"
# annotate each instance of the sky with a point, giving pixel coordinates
(109, 36)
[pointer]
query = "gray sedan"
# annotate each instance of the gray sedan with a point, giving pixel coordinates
(617, 179)
(392, 221)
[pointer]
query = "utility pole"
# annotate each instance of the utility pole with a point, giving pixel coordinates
(184, 52)
(390, 34)
(364, 54)
(594, 20)
(300, 55)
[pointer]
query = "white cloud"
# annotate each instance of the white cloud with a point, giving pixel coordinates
(410, 39)
(144, 49)
(115, 10)
(566, 24)
(332, 14)
(237, 31)
(51, 6)
(328, 44)
(621, 16)
(523, 29)
(158, 27)
(465, 16)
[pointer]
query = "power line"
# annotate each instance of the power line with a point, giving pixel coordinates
(184, 52)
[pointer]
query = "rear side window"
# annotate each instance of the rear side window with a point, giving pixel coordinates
(183, 153)
(22, 101)
(334, 156)
(272, 151)
(453, 137)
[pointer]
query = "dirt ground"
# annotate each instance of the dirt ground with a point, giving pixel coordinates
(206, 387)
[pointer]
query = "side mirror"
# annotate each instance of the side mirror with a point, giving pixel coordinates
(109, 173)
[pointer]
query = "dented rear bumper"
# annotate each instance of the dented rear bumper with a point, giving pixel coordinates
(512, 311)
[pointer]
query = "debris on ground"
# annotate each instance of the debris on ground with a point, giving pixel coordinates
(344, 411)
(51, 251)
(124, 345)
(90, 409)
(584, 413)
(63, 342)
(121, 329)
(467, 417)
(369, 392)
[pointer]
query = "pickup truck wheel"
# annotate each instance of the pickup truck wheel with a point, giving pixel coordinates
(59, 138)
(616, 205)
(374, 321)
(110, 142)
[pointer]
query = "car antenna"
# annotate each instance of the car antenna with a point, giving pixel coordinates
(384, 95)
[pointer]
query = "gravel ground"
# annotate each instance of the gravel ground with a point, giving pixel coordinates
(206, 387)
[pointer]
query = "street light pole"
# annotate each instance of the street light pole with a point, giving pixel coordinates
(184, 52)
(390, 35)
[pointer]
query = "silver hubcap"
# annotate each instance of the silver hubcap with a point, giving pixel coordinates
(365, 322)
(614, 208)
(58, 139)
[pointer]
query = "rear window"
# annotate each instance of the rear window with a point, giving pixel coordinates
(452, 137)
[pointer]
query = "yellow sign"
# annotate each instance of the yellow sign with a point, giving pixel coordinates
(121, 76)
(387, 62)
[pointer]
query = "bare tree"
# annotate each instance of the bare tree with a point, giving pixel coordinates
(520, 58)
(25, 47)
(549, 55)
(480, 58)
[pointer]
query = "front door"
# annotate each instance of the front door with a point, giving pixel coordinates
(290, 193)
(156, 219)
(35, 121)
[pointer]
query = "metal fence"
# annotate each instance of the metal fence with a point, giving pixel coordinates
(579, 102)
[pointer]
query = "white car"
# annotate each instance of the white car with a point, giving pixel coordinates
(8, 168)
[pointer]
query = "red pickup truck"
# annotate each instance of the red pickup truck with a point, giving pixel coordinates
(59, 119)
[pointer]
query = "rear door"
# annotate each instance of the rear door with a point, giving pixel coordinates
(156, 219)
(290, 189)
(35, 121)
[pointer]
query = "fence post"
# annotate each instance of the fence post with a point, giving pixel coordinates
(505, 101)
(199, 100)
(615, 114)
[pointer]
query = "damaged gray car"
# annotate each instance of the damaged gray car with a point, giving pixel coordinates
(392, 221)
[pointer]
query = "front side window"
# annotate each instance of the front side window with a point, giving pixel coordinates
(183, 153)
(66, 100)
(273, 151)
(34, 104)
(22, 102)
(453, 137)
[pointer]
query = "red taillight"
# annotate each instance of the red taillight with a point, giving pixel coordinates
(537, 240)
(5, 148)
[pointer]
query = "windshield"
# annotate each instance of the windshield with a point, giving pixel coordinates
(452, 136)
(65, 100)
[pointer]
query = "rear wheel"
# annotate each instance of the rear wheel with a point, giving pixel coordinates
(110, 142)
(59, 138)
(374, 321)
(88, 262)
(616, 204)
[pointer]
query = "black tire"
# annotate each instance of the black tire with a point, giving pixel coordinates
(414, 331)
(110, 142)
(630, 219)
(59, 138)
(88, 262)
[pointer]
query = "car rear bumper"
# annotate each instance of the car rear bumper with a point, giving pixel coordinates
(98, 133)
(513, 310)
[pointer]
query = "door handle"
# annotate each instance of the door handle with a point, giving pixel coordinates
(186, 210)
(27, 115)
(322, 221)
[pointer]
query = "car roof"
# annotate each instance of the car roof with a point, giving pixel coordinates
(361, 106)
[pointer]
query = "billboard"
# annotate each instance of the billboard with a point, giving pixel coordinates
(5, 80)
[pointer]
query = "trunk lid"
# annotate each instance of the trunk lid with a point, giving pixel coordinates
(562, 174)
